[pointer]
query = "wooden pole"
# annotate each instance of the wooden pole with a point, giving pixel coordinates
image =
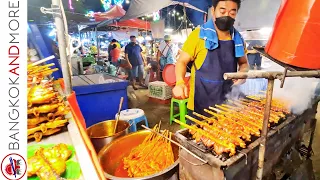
(262, 147)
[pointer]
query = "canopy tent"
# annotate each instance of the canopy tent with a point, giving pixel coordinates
(139, 8)
(112, 17)
(113, 13)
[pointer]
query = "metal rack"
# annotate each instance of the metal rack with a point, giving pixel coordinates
(289, 71)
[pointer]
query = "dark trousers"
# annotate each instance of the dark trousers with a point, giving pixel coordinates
(255, 60)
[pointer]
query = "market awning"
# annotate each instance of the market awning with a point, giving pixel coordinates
(114, 12)
(113, 16)
(140, 8)
(133, 23)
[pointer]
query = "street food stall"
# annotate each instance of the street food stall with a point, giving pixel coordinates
(243, 138)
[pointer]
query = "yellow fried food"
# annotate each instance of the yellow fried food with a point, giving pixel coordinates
(49, 163)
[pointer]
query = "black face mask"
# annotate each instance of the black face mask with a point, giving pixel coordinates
(224, 23)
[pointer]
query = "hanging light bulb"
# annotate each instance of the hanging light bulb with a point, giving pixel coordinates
(118, 2)
(177, 13)
(70, 5)
(127, 1)
(174, 11)
(172, 15)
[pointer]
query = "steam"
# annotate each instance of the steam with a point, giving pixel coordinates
(235, 93)
(298, 91)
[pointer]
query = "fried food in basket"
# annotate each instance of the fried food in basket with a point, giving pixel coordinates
(50, 163)
(152, 156)
(38, 135)
(44, 129)
(47, 108)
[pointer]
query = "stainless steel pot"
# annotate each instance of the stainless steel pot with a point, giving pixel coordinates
(112, 155)
(101, 133)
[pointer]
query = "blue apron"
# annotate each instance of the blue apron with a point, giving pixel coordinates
(210, 87)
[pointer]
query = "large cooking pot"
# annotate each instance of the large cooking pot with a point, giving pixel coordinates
(102, 134)
(112, 155)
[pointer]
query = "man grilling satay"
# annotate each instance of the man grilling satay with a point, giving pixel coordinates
(215, 48)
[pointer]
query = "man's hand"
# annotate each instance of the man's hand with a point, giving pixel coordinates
(129, 66)
(237, 82)
(180, 91)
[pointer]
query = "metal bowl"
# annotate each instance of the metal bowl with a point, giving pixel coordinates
(111, 156)
(102, 134)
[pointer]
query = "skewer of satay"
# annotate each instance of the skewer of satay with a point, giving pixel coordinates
(179, 145)
(239, 141)
(229, 113)
(241, 111)
(246, 136)
(222, 117)
(274, 115)
(45, 72)
(229, 146)
(38, 68)
(232, 111)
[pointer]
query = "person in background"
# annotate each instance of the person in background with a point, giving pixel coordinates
(254, 58)
(93, 49)
(144, 50)
(136, 62)
(115, 55)
(110, 47)
(167, 53)
(214, 48)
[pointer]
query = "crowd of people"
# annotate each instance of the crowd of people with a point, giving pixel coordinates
(134, 58)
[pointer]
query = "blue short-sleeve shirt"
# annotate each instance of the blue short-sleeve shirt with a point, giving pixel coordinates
(134, 54)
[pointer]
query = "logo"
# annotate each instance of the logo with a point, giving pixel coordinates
(13, 167)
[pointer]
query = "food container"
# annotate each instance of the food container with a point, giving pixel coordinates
(112, 155)
(101, 133)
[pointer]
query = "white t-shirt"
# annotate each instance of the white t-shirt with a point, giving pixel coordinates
(164, 48)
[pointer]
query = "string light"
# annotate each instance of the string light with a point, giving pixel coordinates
(177, 13)
(128, 2)
(118, 2)
(90, 14)
(70, 5)
(156, 16)
(106, 4)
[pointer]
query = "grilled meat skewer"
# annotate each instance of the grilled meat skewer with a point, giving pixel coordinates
(225, 127)
(225, 136)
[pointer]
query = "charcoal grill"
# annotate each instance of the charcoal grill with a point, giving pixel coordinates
(244, 164)
(271, 145)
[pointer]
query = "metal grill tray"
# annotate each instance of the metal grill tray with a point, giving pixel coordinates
(225, 161)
